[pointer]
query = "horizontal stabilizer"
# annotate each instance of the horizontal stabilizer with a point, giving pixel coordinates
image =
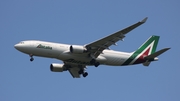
(152, 56)
(147, 63)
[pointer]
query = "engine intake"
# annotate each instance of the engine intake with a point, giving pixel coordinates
(54, 67)
(77, 49)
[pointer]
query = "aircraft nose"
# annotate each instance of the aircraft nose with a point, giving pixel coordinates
(23, 46)
(17, 46)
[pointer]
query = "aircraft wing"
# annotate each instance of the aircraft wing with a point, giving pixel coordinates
(98, 46)
(74, 72)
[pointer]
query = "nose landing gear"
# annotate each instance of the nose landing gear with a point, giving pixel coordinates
(31, 59)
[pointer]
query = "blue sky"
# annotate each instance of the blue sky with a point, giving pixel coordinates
(81, 22)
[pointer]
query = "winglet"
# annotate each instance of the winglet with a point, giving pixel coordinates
(144, 20)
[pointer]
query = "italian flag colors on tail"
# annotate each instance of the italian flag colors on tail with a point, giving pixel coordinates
(144, 50)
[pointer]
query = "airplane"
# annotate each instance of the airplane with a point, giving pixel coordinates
(76, 57)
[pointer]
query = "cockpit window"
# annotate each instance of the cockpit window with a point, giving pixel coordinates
(21, 42)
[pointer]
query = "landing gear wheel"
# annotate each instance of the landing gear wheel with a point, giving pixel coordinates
(85, 74)
(93, 62)
(31, 59)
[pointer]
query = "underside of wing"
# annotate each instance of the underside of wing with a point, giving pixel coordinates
(74, 71)
(98, 46)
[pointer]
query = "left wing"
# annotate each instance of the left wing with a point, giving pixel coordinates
(96, 48)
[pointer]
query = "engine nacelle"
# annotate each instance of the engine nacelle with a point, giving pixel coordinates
(54, 67)
(77, 49)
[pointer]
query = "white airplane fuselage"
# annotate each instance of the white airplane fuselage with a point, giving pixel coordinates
(77, 57)
(62, 52)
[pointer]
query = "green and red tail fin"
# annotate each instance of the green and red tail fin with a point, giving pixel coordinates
(147, 48)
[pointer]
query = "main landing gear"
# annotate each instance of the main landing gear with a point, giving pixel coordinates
(84, 74)
(93, 62)
(31, 59)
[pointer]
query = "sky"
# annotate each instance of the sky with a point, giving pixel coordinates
(79, 22)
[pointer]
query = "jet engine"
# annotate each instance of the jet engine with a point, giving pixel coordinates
(77, 49)
(54, 67)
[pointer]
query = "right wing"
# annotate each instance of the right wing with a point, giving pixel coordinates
(96, 48)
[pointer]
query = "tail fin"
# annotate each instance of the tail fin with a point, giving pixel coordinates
(147, 48)
(146, 53)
